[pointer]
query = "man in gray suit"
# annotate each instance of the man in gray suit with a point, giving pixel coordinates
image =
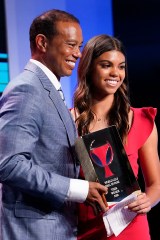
(38, 167)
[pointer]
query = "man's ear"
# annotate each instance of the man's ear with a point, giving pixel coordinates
(41, 42)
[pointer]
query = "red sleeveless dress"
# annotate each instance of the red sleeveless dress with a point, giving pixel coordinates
(91, 227)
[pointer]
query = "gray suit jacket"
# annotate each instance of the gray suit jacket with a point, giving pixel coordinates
(37, 160)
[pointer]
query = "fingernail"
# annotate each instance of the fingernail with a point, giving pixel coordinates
(125, 207)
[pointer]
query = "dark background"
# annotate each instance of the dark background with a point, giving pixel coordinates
(3, 37)
(136, 23)
(3, 47)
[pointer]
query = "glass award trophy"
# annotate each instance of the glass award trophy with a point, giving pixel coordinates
(103, 158)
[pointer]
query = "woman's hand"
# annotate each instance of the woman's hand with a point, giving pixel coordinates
(141, 205)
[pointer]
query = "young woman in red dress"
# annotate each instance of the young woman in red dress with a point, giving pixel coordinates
(100, 100)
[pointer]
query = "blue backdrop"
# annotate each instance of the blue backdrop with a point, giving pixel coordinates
(95, 17)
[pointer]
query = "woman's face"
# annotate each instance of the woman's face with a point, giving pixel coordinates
(108, 73)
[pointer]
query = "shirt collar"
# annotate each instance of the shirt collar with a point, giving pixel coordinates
(48, 72)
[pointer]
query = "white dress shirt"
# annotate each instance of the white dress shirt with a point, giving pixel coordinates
(78, 189)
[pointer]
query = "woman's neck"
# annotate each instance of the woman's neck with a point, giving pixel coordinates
(103, 106)
(101, 109)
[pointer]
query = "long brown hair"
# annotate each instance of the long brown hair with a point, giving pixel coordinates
(118, 114)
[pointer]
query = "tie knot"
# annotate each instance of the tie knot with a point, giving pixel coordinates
(61, 94)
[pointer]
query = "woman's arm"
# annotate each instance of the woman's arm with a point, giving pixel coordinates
(150, 165)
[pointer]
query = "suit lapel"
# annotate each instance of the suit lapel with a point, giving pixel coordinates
(64, 114)
(53, 94)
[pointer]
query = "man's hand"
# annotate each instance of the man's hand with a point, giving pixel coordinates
(96, 196)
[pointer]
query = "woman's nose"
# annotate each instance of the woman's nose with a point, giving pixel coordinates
(114, 71)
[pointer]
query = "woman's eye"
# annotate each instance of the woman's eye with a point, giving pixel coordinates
(122, 67)
(106, 66)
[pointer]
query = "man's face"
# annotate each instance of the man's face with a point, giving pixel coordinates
(64, 49)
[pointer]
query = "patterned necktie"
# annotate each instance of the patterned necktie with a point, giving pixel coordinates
(62, 94)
